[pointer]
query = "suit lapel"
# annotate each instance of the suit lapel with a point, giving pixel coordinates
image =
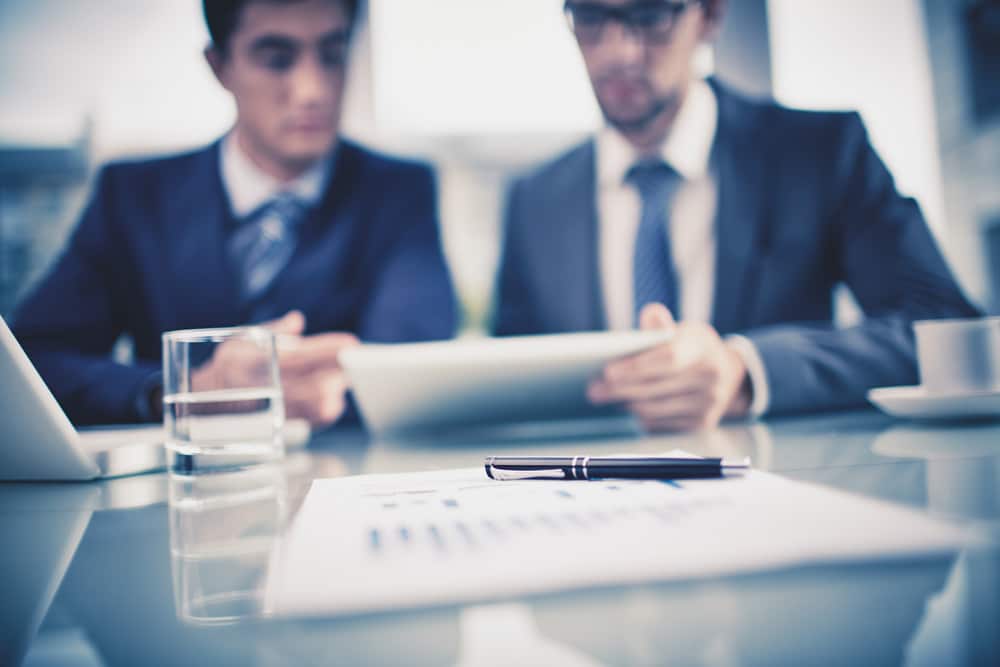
(740, 161)
(201, 282)
(579, 299)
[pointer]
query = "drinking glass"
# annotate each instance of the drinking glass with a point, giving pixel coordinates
(222, 399)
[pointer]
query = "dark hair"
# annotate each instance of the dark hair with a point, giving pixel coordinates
(222, 17)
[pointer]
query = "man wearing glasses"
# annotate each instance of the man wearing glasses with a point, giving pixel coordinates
(280, 221)
(728, 220)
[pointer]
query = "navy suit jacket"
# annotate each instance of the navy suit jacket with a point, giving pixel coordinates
(149, 256)
(804, 204)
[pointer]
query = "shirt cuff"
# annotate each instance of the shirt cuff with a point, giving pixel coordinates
(760, 393)
(143, 404)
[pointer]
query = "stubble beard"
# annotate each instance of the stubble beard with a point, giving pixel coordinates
(643, 124)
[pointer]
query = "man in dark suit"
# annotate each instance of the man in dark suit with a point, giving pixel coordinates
(280, 221)
(736, 218)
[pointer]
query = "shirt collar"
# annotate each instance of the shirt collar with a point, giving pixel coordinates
(688, 147)
(249, 187)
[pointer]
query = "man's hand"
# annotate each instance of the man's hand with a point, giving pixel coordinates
(691, 382)
(312, 381)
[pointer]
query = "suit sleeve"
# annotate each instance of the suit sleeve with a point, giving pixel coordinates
(889, 260)
(513, 297)
(69, 323)
(412, 298)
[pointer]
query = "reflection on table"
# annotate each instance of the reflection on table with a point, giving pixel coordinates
(223, 528)
(168, 570)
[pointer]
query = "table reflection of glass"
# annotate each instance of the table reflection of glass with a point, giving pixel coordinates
(223, 528)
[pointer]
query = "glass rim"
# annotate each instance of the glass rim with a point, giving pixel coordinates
(213, 335)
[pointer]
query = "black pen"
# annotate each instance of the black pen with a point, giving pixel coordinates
(610, 467)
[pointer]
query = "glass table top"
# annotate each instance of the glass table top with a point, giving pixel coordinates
(167, 569)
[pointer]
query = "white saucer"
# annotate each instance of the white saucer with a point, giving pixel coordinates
(916, 403)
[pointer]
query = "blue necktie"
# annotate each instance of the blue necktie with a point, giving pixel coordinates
(654, 276)
(262, 245)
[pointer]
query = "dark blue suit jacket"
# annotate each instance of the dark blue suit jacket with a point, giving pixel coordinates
(804, 204)
(150, 255)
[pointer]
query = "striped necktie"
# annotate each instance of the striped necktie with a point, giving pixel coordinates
(654, 275)
(264, 243)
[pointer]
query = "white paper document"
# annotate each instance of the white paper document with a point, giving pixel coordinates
(379, 542)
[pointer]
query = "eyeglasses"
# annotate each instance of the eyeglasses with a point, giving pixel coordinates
(652, 20)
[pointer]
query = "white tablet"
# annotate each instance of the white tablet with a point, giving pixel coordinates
(427, 387)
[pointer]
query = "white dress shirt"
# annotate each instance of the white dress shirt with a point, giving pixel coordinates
(691, 224)
(249, 187)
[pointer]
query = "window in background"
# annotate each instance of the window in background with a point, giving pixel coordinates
(135, 68)
(449, 67)
(870, 57)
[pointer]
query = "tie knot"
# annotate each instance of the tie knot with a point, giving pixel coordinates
(289, 208)
(654, 179)
(284, 208)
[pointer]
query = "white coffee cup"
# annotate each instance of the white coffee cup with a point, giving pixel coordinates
(959, 356)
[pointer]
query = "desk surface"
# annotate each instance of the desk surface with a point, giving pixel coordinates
(151, 570)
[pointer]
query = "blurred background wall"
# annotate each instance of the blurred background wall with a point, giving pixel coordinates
(484, 89)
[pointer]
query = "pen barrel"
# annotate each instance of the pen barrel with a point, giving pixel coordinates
(586, 467)
(664, 472)
(631, 468)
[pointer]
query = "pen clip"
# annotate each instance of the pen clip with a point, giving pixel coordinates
(503, 474)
